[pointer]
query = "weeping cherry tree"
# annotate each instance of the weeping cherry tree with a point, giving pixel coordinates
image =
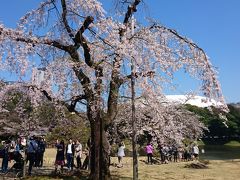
(87, 55)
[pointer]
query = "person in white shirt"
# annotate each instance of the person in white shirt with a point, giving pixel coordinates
(70, 154)
(195, 151)
(121, 154)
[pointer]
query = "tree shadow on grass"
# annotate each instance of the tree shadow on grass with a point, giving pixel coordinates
(75, 175)
(48, 173)
(72, 176)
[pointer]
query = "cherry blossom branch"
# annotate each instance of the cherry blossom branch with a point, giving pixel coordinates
(186, 40)
(83, 78)
(194, 45)
(49, 42)
(116, 81)
(140, 74)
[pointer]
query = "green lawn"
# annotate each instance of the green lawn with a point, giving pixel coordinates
(233, 143)
(217, 170)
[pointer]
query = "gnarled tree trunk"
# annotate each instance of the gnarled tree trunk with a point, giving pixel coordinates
(99, 148)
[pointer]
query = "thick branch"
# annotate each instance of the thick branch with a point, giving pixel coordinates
(70, 107)
(74, 102)
(70, 49)
(64, 18)
(131, 9)
(85, 81)
(114, 91)
(80, 40)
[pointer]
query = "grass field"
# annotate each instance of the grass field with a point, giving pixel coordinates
(217, 170)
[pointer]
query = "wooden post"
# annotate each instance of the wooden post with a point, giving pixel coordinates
(134, 138)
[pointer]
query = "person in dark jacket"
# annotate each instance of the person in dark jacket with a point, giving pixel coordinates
(60, 155)
(5, 156)
(32, 147)
(42, 147)
(37, 153)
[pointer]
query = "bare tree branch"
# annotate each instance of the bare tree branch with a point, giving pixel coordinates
(71, 107)
(80, 40)
(64, 18)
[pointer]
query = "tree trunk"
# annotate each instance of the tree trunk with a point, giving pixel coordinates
(99, 151)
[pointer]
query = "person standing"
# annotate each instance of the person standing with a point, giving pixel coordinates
(78, 153)
(5, 154)
(121, 154)
(86, 160)
(160, 148)
(37, 153)
(59, 161)
(175, 153)
(195, 151)
(32, 147)
(18, 145)
(149, 151)
(42, 147)
(73, 155)
(69, 154)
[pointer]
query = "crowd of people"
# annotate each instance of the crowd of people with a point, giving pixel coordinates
(34, 149)
(173, 153)
(168, 153)
(14, 150)
(35, 152)
(70, 154)
(73, 150)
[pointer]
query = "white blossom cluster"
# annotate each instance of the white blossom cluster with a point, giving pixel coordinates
(165, 122)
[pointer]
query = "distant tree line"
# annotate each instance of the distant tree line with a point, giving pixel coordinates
(20, 118)
(14, 120)
(217, 129)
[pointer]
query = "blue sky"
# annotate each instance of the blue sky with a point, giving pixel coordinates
(212, 24)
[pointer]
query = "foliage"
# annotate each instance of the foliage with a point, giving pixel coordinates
(21, 117)
(76, 129)
(47, 116)
(215, 124)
